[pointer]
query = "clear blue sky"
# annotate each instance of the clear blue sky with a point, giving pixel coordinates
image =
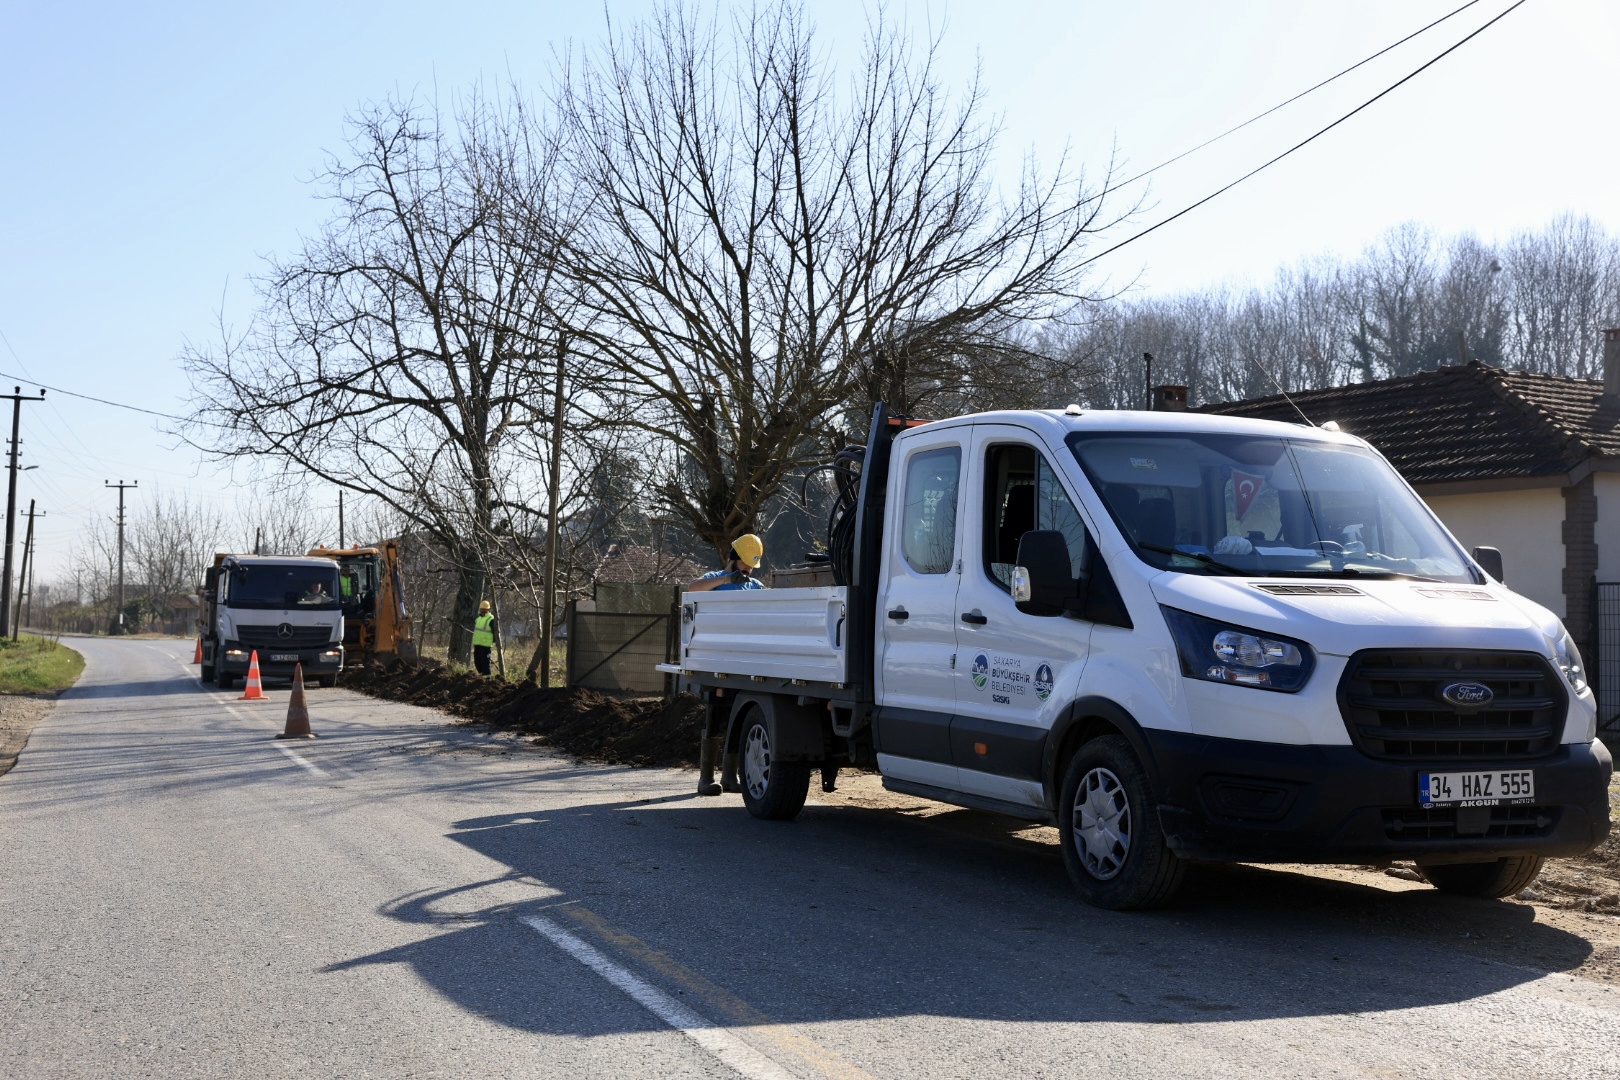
(153, 153)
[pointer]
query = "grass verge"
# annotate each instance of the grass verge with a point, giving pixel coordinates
(36, 665)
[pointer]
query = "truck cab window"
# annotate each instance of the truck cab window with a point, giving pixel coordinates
(928, 519)
(1022, 492)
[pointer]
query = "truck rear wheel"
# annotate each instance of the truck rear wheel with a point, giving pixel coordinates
(1113, 846)
(1499, 877)
(771, 789)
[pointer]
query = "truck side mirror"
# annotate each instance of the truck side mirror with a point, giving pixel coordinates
(1490, 561)
(1045, 583)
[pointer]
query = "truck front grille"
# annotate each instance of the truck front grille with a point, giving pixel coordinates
(1392, 704)
(283, 637)
(1488, 822)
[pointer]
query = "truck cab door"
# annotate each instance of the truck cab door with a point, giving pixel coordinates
(915, 677)
(1020, 671)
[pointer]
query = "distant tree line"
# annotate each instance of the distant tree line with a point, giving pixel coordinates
(1413, 302)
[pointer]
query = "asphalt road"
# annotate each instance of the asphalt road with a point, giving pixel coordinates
(183, 895)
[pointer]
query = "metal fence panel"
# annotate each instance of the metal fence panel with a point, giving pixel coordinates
(617, 651)
(1607, 668)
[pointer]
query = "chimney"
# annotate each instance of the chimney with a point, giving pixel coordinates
(1611, 370)
(1174, 398)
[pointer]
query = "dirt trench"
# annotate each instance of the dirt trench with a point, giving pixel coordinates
(584, 723)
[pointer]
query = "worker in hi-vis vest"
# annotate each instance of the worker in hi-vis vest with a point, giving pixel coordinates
(483, 637)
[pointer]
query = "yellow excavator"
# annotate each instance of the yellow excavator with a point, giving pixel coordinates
(376, 626)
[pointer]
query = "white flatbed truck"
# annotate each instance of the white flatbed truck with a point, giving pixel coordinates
(1175, 637)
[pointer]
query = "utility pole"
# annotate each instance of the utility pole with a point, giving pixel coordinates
(24, 579)
(33, 564)
(118, 624)
(17, 400)
(341, 544)
(1147, 397)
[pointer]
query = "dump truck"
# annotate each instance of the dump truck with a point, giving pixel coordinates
(285, 608)
(377, 626)
(1177, 638)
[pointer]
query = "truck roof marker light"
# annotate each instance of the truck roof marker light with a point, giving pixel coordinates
(900, 423)
(1073, 410)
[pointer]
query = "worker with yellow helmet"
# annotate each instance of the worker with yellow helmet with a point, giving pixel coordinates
(747, 551)
(483, 637)
(744, 558)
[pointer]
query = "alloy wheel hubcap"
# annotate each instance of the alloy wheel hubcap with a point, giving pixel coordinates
(756, 761)
(1102, 824)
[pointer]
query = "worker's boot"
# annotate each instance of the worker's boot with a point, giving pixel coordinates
(728, 774)
(829, 778)
(708, 750)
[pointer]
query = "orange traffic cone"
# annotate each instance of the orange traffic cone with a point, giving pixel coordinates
(298, 710)
(255, 685)
(198, 658)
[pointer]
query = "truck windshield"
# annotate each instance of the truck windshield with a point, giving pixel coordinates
(1238, 504)
(270, 586)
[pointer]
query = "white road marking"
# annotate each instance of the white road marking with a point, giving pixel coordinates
(310, 765)
(727, 1048)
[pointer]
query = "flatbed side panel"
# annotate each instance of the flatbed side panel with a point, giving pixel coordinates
(774, 633)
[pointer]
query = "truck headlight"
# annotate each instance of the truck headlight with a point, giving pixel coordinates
(1568, 659)
(1223, 653)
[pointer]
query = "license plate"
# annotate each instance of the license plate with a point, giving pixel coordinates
(285, 657)
(1493, 788)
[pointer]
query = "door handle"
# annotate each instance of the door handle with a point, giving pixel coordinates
(975, 618)
(899, 613)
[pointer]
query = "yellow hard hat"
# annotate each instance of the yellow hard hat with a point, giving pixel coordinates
(483, 605)
(749, 548)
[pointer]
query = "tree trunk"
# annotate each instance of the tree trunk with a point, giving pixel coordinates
(469, 590)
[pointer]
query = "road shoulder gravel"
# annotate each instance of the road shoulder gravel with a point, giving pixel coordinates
(19, 713)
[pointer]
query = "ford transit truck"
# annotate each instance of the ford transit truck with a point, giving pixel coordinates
(288, 609)
(1175, 637)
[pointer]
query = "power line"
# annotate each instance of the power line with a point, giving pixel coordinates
(1308, 140)
(1296, 97)
(99, 401)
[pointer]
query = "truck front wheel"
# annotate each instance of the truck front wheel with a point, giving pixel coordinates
(222, 678)
(1113, 846)
(1499, 877)
(771, 789)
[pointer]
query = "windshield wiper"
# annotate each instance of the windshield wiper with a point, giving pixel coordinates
(1208, 561)
(1356, 571)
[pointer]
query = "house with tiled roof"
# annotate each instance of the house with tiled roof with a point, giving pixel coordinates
(1526, 463)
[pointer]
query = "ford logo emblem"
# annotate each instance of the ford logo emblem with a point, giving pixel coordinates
(1468, 695)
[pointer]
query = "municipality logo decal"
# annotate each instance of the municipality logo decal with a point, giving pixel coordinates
(981, 670)
(1043, 681)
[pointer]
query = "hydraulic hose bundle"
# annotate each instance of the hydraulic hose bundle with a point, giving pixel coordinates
(846, 474)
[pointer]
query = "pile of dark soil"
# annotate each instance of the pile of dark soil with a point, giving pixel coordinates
(584, 723)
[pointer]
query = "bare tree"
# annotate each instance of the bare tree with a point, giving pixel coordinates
(171, 540)
(398, 352)
(760, 247)
(281, 519)
(1562, 285)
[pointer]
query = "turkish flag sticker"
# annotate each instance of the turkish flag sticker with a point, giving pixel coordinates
(1245, 486)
